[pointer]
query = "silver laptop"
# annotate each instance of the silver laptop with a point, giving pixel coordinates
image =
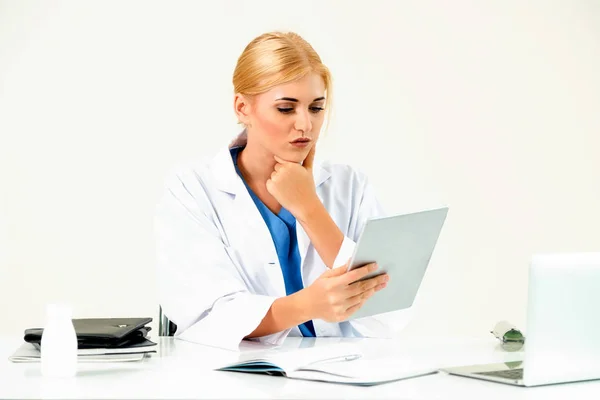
(563, 325)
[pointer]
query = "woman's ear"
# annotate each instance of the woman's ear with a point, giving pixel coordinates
(242, 109)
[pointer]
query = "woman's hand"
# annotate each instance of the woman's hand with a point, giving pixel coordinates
(293, 185)
(336, 295)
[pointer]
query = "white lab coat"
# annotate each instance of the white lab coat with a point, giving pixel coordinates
(217, 266)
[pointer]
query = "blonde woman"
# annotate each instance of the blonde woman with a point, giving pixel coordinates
(253, 243)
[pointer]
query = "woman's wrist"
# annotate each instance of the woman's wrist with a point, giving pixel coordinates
(285, 313)
(310, 209)
(302, 304)
(323, 232)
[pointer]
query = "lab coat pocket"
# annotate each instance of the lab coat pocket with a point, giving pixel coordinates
(271, 279)
(259, 276)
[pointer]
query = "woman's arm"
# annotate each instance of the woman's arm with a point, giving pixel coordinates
(333, 297)
(285, 313)
(323, 232)
(293, 186)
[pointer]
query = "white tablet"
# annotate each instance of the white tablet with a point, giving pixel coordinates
(402, 246)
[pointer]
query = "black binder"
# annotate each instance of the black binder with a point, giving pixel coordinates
(102, 332)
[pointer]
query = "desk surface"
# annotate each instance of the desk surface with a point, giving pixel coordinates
(184, 370)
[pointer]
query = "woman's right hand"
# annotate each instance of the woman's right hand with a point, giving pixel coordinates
(336, 295)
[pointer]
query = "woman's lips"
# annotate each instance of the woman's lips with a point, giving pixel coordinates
(300, 143)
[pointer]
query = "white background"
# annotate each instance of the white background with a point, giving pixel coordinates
(491, 107)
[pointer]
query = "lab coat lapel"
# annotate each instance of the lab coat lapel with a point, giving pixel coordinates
(259, 237)
(257, 241)
(247, 213)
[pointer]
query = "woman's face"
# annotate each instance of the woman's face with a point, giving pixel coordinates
(286, 120)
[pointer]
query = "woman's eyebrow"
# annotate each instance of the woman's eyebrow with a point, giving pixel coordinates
(296, 100)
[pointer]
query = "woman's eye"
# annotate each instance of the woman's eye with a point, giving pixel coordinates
(289, 110)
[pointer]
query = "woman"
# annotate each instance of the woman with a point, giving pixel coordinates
(254, 243)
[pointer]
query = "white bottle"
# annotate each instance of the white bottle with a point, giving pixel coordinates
(59, 343)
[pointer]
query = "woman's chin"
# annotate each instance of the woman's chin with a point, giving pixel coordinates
(295, 156)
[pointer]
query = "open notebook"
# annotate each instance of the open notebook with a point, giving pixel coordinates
(336, 363)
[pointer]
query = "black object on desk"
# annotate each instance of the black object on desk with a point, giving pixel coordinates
(102, 332)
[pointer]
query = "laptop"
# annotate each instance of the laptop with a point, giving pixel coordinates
(563, 325)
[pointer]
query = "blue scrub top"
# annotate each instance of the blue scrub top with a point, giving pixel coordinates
(283, 232)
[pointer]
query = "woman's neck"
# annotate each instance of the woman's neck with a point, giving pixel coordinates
(256, 164)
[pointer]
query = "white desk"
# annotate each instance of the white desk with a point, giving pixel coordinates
(184, 370)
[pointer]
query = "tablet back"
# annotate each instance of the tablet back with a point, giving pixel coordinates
(402, 246)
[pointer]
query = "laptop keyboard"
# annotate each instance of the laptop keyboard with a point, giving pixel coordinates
(508, 374)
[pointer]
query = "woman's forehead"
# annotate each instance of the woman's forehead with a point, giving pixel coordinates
(306, 89)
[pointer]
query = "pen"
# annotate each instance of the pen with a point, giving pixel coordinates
(348, 357)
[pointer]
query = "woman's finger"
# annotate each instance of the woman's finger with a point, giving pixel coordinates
(362, 286)
(308, 161)
(353, 309)
(361, 297)
(359, 273)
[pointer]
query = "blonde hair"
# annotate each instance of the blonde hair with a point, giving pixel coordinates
(275, 58)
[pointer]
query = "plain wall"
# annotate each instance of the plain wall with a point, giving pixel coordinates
(490, 107)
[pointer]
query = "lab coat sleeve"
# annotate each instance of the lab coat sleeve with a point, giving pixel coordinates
(381, 326)
(199, 287)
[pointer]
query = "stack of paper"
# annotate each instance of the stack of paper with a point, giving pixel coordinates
(29, 352)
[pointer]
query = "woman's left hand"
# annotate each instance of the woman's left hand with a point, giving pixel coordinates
(293, 185)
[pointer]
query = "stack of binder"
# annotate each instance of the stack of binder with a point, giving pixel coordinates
(98, 339)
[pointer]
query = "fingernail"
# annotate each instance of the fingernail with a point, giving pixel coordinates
(373, 267)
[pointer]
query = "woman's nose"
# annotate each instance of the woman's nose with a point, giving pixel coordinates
(303, 122)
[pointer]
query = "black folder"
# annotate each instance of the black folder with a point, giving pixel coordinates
(102, 332)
